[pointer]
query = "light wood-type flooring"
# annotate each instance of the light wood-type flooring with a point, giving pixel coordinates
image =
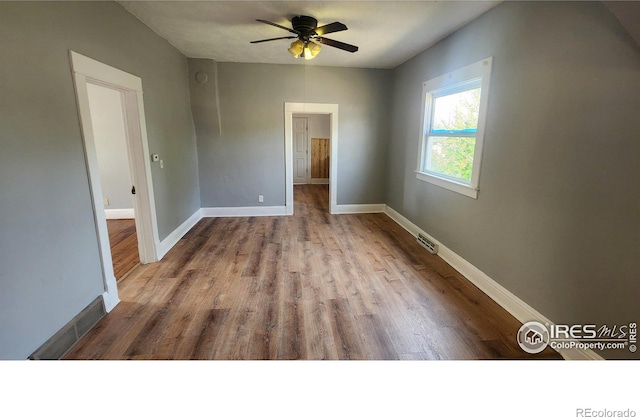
(124, 246)
(308, 286)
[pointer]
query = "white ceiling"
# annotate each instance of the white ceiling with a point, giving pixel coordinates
(387, 32)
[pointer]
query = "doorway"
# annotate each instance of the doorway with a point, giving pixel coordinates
(86, 72)
(302, 109)
(311, 148)
(109, 134)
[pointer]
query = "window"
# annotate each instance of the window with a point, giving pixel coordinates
(454, 112)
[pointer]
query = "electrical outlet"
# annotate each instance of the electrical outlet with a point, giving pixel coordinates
(260, 199)
(161, 164)
(106, 201)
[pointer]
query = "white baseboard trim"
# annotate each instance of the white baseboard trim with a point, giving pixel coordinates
(113, 214)
(257, 211)
(357, 208)
(110, 300)
(319, 181)
(174, 237)
(403, 221)
(506, 299)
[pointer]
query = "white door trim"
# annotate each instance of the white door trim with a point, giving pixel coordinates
(311, 108)
(86, 70)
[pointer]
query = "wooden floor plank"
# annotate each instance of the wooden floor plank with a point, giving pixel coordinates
(124, 245)
(308, 286)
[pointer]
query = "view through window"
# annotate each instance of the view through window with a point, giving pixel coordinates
(454, 110)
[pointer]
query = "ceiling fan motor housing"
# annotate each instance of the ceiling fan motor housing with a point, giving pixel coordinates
(305, 25)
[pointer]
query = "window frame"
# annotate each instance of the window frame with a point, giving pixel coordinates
(463, 79)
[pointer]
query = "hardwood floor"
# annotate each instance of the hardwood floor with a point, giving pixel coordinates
(308, 286)
(124, 246)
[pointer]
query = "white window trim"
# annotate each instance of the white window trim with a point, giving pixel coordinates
(446, 82)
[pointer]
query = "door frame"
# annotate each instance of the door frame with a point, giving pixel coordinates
(311, 108)
(86, 70)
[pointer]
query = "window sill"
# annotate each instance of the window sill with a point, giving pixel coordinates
(457, 187)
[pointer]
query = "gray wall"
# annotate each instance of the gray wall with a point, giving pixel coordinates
(49, 261)
(245, 157)
(556, 221)
(111, 146)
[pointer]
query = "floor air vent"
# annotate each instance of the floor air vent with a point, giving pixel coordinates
(427, 243)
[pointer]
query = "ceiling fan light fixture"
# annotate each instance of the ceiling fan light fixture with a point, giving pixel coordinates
(296, 49)
(311, 49)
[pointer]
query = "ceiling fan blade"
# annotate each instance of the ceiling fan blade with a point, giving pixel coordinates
(274, 39)
(337, 44)
(331, 28)
(278, 26)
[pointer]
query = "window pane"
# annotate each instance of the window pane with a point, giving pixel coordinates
(456, 113)
(451, 156)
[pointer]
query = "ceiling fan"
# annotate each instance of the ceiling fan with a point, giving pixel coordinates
(309, 36)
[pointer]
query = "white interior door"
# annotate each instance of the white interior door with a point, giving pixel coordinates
(300, 150)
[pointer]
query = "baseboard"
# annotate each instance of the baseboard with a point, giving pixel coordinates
(319, 181)
(256, 211)
(506, 299)
(403, 221)
(113, 214)
(259, 211)
(357, 208)
(174, 237)
(110, 300)
(64, 339)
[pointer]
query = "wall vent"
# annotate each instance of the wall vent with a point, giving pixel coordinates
(430, 245)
